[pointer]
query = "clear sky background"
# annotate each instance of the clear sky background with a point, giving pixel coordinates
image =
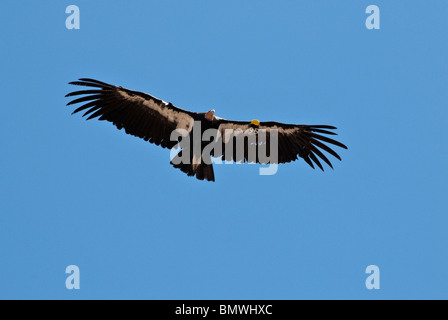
(83, 193)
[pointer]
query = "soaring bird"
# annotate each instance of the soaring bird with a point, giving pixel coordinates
(154, 120)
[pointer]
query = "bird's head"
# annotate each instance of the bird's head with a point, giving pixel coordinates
(210, 116)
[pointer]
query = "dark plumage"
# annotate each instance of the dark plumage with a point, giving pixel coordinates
(154, 120)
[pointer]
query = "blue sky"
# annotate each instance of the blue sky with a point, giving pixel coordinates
(83, 193)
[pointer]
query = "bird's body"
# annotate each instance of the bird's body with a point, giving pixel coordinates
(154, 120)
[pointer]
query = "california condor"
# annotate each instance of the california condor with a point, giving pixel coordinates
(154, 120)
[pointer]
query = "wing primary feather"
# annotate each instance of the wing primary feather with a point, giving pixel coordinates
(85, 106)
(86, 84)
(96, 114)
(324, 131)
(314, 158)
(94, 81)
(326, 139)
(87, 98)
(91, 110)
(322, 127)
(307, 160)
(321, 155)
(77, 93)
(326, 148)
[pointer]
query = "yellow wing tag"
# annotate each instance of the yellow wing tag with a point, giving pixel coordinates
(255, 122)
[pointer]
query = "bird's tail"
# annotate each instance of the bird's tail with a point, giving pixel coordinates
(205, 172)
(202, 171)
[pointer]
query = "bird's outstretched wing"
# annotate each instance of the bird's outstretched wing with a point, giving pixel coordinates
(140, 114)
(294, 141)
